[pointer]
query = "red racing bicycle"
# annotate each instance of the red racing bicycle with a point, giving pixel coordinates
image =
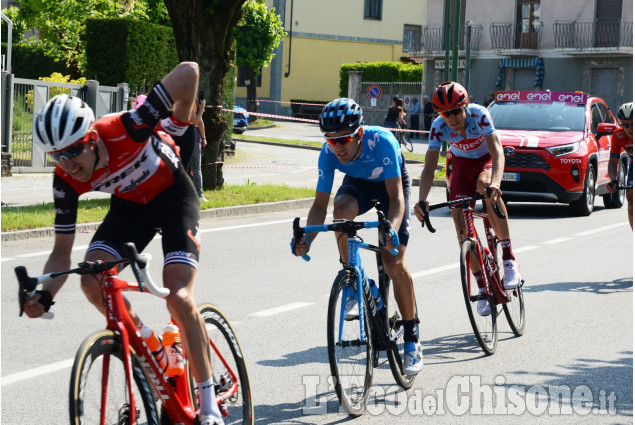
(116, 380)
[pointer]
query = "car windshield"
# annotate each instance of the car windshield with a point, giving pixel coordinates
(538, 116)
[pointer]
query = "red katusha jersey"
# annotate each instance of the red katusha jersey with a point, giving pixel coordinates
(621, 140)
(136, 170)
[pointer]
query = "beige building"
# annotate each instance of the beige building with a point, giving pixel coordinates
(321, 35)
(562, 45)
(559, 45)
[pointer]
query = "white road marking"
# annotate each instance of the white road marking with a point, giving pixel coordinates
(435, 270)
(35, 372)
(556, 240)
(601, 229)
(281, 309)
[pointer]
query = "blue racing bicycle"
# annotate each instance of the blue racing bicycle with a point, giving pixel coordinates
(355, 339)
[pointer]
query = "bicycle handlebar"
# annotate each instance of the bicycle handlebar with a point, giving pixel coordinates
(138, 263)
(348, 227)
(462, 201)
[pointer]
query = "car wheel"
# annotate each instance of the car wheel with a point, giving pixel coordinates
(616, 200)
(584, 205)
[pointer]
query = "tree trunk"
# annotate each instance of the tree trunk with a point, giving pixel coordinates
(204, 33)
(252, 105)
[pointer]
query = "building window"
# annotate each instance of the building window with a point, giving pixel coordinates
(527, 24)
(412, 38)
(242, 76)
(372, 9)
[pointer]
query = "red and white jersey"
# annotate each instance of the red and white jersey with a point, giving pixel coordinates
(136, 170)
(479, 125)
(620, 141)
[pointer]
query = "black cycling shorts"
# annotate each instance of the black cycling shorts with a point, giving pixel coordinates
(175, 212)
(365, 191)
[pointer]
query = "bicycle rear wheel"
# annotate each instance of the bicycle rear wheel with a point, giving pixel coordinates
(395, 360)
(351, 360)
(484, 327)
(406, 142)
(228, 367)
(100, 357)
(515, 307)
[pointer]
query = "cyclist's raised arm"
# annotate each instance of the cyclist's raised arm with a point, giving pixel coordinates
(427, 176)
(182, 86)
(60, 259)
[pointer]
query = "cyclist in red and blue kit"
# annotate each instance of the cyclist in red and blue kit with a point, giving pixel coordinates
(126, 155)
(477, 163)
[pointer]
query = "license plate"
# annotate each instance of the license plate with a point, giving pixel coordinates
(511, 177)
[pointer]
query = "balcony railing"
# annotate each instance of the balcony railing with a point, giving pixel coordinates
(432, 40)
(582, 35)
(507, 36)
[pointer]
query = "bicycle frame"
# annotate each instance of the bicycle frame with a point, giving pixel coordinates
(363, 287)
(484, 262)
(178, 398)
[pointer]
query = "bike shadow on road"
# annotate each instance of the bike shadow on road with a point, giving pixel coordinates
(599, 288)
(602, 377)
(458, 348)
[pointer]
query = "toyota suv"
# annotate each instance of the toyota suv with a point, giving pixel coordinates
(556, 148)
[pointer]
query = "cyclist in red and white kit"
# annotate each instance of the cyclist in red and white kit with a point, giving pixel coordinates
(477, 163)
(124, 154)
(623, 139)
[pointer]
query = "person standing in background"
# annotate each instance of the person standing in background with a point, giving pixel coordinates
(428, 115)
(199, 145)
(415, 110)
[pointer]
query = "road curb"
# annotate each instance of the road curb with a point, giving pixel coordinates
(239, 210)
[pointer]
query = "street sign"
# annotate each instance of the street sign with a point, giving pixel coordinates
(374, 91)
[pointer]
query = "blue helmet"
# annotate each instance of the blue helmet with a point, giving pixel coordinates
(341, 114)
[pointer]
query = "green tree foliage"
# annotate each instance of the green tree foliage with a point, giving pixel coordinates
(18, 27)
(380, 71)
(258, 34)
(62, 23)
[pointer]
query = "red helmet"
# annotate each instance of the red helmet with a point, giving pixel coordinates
(448, 96)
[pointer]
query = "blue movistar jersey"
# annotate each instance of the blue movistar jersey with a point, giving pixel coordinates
(479, 126)
(380, 160)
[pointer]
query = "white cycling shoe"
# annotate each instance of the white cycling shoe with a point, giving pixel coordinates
(482, 305)
(350, 309)
(412, 358)
(512, 276)
(212, 421)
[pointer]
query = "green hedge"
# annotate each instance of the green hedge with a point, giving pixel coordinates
(29, 61)
(123, 50)
(380, 72)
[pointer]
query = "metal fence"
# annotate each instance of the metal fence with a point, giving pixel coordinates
(374, 115)
(25, 97)
(433, 39)
(591, 34)
(506, 35)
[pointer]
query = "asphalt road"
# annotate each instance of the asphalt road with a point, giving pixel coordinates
(573, 365)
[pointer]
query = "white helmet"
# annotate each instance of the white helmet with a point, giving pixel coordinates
(62, 121)
(625, 112)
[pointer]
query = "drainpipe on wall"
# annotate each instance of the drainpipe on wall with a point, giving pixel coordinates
(286, 74)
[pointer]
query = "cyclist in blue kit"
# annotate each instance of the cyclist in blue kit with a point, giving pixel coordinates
(374, 169)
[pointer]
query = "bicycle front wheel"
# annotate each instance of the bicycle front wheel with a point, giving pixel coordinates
(484, 327)
(229, 370)
(98, 387)
(350, 358)
(395, 359)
